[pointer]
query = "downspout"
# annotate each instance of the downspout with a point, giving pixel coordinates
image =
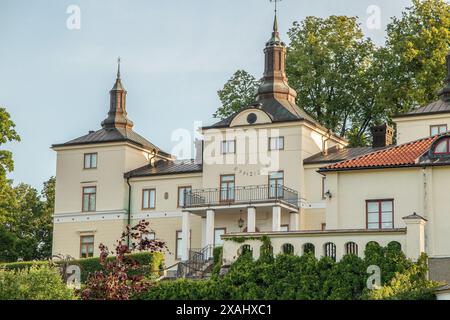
(129, 210)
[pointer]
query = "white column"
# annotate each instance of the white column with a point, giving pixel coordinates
(276, 218)
(209, 227)
(415, 236)
(185, 230)
(251, 219)
(203, 232)
(293, 221)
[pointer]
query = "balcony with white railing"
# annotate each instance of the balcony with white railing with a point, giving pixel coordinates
(242, 195)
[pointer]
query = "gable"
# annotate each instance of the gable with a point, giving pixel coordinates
(250, 116)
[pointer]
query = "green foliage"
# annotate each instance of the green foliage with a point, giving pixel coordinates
(288, 276)
(327, 61)
(237, 93)
(27, 222)
(152, 261)
(411, 284)
(415, 51)
(181, 289)
(217, 260)
(390, 259)
(348, 83)
(7, 134)
(35, 283)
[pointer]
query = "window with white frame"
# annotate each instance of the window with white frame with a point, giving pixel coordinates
(182, 192)
(276, 183)
(148, 236)
(90, 160)
(228, 146)
(438, 129)
(89, 199)
(86, 246)
(276, 143)
(380, 214)
(148, 199)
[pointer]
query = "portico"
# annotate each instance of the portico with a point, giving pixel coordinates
(251, 210)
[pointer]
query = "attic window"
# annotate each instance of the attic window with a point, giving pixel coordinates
(442, 147)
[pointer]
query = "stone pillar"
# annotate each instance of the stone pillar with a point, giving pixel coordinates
(293, 221)
(209, 227)
(276, 218)
(415, 235)
(251, 219)
(185, 231)
(203, 232)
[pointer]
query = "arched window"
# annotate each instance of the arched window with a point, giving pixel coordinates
(351, 248)
(330, 250)
(308, 248)
(394, 245)
(287, 248)
(442, 147)
(245, 249)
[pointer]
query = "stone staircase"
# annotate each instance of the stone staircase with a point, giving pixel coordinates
(198, 266)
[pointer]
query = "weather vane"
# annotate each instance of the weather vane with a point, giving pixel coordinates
(275, 2)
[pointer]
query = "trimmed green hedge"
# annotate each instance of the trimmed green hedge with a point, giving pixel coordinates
(151, 261)
(290, 277)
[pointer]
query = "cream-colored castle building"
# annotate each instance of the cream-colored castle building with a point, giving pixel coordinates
(270, 169)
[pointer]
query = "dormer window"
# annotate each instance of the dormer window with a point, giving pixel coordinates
(438, 129)
(442, 147)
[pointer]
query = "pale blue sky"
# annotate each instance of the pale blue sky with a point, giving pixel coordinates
(176, 54)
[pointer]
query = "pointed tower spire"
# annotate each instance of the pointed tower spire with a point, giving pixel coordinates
(275, 83)
(444, 94)
(117, 115)
(118, 68)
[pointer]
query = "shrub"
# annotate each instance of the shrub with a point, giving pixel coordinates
(152, 262)
(120, 277)
(181, 289)
(288, 276)
(411, 284)
(217, 261)
(35, 283)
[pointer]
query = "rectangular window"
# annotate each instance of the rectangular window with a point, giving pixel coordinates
(380, 214)
(438, 129)
(149, 236)
(227, 188)
(276, 143)
(178, 243)
(218, 232)
(228, 147)
(89, 199)
(86, 246)
(324, 180)
(148, 198)
(182, 191)
(90, 160)
(276, 183)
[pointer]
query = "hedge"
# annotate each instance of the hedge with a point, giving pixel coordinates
(290, 277)
(151, 262)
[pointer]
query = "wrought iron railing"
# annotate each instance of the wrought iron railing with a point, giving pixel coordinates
(198, 258)
(240, 195)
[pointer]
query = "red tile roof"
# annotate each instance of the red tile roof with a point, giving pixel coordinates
(401, 155)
